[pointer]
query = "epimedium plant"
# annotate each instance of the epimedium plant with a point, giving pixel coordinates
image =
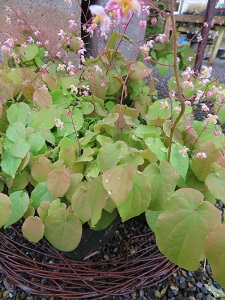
(83, 145)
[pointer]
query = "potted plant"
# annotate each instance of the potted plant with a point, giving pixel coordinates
(84, 145)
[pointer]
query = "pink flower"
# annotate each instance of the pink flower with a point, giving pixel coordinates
(187, 73)
(199, 39)
(183, 151)
(68, 112)
(100, 17)
(123, 9)
(217, 132)
(201, 155)
(161, 38)
(204, 107)
(163, 104)
(153, 21)
(188, 84)
(142, 24)
(188, 128)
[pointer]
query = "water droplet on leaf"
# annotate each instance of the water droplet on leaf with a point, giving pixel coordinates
(110, 192)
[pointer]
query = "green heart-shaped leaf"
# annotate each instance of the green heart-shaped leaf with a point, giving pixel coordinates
(181, 230)
(63, 230)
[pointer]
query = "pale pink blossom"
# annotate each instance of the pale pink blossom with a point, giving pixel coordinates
(144, 48)
(100, 17)
(5, 49)
(36, 33)
(61, 67)
(199, 38)
(217, 132)
(199, 95)
(183, 151)
(163, 104)
(73, 89)
(8, 20)
(98, 69)
(187, 103)
(68, 112)
(142, 24)
(212, 119)
(188, 128)
(210, 94)
(205, 72)
(147, 58)
(68, 2)
(72, 73)
(8, 9)
(59, 124)
(39, 44)
(72, 23)
(205, 24)
(201, 155)
(30, 40)
(61, 34)
(153, 21)
(204, 107)
(187, 73)
(190, 58)
(188, 84)
(24, 45)
(177, 109)
(123, 9)
(161, 38)
(150, 44)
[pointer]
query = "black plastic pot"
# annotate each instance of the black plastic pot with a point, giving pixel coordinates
(91, 240)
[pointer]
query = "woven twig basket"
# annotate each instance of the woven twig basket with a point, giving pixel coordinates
(39, 269)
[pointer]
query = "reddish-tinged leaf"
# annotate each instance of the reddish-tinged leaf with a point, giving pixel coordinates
(215, 253)
(33, 229)
(118, 182)
(40, 169)
(202, 166)
(58, 182)
(42, 97)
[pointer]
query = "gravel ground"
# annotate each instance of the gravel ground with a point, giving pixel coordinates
(182, 285)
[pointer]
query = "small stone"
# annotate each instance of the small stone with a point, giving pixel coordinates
(157, 294)
(141, 293)
(5, 294)
(163, 292)
(204, 290)
(199, 284)
(199, 296)
(191, 288)
(191, 298)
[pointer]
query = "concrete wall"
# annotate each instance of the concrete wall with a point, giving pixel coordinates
(48, 16)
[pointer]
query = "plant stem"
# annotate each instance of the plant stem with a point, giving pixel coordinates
(180, 96)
